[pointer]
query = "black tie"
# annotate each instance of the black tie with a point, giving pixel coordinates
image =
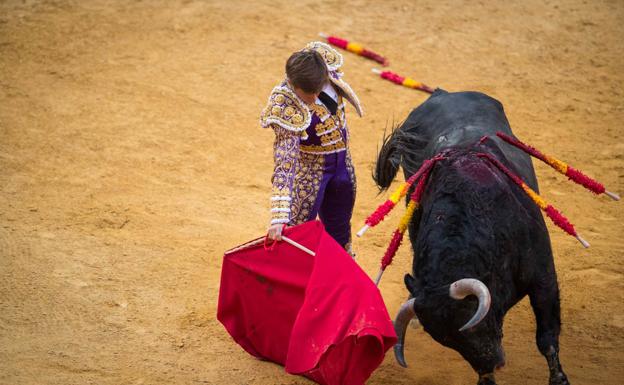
(329, 102)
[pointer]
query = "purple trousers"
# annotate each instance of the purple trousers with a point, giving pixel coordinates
(336, 197)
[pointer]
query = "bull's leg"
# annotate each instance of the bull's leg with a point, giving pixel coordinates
(545, 303)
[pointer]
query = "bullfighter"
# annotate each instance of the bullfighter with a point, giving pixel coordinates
(313, 172)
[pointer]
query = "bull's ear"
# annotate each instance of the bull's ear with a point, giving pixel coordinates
(414, 287)
(412, 284)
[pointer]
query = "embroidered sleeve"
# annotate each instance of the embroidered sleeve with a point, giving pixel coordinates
(286, 156)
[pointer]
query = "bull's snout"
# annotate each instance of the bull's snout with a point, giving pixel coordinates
(501, 358)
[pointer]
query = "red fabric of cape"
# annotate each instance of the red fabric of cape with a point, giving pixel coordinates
(321, 317)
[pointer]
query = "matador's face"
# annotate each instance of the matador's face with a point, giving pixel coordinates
(307, 97)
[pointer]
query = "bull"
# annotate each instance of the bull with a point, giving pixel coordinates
(476, 233)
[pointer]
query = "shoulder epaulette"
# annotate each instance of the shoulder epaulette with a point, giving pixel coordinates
(286, 110)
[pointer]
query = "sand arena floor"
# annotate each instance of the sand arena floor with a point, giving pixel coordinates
(131, 158)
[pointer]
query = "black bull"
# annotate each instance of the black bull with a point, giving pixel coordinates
(473, 222)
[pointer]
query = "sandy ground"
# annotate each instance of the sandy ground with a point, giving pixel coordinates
(131, 158)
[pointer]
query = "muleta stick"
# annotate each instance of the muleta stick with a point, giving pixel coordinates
(563, 168)
(356, 48)
(403, 81)
(380, 213)
(397, 235)
(558, 218)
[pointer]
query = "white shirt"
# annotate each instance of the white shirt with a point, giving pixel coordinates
(331, 91)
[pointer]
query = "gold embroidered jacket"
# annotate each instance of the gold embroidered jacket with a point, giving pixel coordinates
(303, 135)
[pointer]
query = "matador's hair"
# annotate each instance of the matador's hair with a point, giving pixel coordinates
(307, 70)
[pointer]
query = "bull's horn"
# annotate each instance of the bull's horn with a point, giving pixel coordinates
(406, 313)
(467, 286)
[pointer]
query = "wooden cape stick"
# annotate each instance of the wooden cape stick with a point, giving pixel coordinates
(255, 242)
(259, 241)
(298, 245)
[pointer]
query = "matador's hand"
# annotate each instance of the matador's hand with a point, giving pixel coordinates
(275, 232)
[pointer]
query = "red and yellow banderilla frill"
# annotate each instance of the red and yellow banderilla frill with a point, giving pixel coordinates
(380, 213)
(356, 48)
(554, 214)
(397, 236)
(562, 167)
(403, 81)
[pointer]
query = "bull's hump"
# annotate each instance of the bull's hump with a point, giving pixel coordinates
(464, 136)
(452, 119)
(474, 170)
(465, 101)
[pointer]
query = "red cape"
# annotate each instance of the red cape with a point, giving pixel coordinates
(321, 317)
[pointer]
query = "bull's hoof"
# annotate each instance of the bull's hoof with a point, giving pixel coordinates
(557, 376)
(486, 379)
(559, 379)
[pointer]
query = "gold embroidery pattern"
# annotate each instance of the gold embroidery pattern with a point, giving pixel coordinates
(286, 110)
(327, 126)
(320, 110)
(308, 176)
(280, 205)
(333, 59)
(336, 147)
(329, 134)
(333, 136)
(286, 155)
